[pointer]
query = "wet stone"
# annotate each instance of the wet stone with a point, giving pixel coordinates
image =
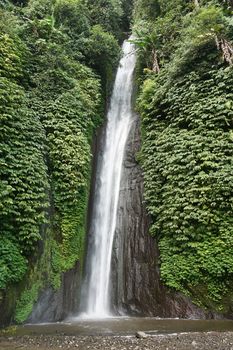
(141, 335)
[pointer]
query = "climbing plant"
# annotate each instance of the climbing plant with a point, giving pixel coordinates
(57, 62)
(186, 155)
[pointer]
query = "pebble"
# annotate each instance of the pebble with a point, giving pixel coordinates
(141, 335)
(200, 341)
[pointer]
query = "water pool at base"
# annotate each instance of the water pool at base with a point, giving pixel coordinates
(125, 326)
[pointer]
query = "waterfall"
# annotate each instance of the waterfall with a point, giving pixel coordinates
(95, 298)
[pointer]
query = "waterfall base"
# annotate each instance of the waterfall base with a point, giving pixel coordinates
(53, 306)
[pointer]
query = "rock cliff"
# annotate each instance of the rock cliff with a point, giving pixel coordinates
(136, 284)
(53, 305)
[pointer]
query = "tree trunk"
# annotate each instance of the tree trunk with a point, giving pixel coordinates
(226, 48)
(155, 66)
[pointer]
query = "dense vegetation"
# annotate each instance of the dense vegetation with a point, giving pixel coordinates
(186, 56)
(57, 63)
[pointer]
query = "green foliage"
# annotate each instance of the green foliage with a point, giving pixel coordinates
(39, 9)
(108, 14)
(50, 105)
(72, 15)
(22, 168)
(26, 302)
(187, 160)
(181, 33)
(147, 10)
(187, 150)
(127, 7)
(57, 62)
(13, 265)
(65, 254)
(158, 32)
(10, 58)
(102, 53)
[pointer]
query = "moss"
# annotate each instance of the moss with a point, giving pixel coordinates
(25, 304)
(9, 331)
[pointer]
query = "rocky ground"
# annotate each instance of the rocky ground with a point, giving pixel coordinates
(200, 341)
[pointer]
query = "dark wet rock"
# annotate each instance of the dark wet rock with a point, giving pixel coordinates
(8, 300)
(56, 305)
(136, 284)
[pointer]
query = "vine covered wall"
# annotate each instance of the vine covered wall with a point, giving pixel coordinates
(57, 63)
(186, 108)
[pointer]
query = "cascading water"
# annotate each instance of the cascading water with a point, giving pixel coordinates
(95, 299)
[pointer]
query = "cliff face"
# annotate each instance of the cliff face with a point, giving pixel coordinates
(136, 284)
(7, 304)
(53, 305)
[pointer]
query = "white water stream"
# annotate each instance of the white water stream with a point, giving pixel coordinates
(95, 300)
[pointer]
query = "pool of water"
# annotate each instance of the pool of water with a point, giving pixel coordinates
(125, 326)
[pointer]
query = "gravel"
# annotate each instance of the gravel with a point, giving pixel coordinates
(188, 341)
